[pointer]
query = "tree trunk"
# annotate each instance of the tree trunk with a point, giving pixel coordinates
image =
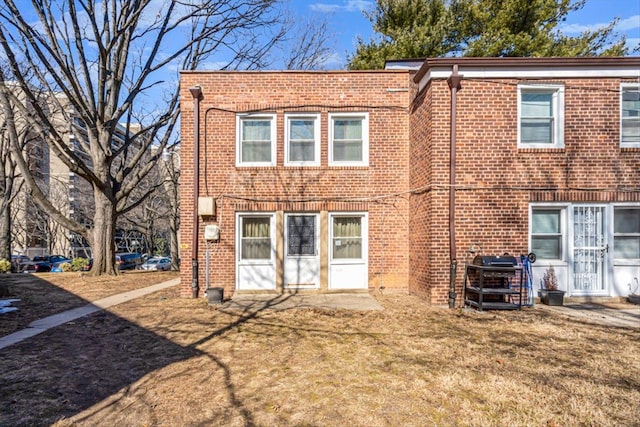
(103, 236)
(5, 234)
(173, 245)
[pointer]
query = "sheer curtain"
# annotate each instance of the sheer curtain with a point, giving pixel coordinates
(256, 238)
(347, 237)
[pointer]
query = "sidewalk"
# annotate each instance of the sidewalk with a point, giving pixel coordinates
(628, 317)
(41, 325)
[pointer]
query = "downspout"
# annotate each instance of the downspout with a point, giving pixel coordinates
(454, 82)
(196, 92)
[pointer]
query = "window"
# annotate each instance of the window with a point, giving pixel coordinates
(347, 237)
(540, 116)
(302, 136)
(546, 233)
(255, 237)
(630, 116)
(256, 144)
(349, 139)
(301, 235)
(626, 233)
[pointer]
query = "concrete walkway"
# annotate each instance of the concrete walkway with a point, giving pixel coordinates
(628, 317)
(38, 326)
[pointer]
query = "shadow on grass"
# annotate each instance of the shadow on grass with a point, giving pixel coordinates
(67, 369)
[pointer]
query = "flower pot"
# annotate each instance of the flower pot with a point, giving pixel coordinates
(634, 299)
(551, 297)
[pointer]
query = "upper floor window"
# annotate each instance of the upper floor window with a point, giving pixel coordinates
(349, 139)
(256, 140)
(630, 115)
(302, 140)
(540, 116)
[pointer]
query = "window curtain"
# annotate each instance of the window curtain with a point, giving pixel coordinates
(256, 140)
(347, 140)
(347, 237)
(301, 140)
(256, 238)
(537, 118)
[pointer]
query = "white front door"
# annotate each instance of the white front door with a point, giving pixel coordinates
(348, 251)
(302, 253)
(590, 250)
(255, 252)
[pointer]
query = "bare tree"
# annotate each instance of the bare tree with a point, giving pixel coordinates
(105, 65)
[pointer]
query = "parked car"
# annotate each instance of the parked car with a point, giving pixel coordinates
(128, 260)
(18, 262)
(158, 264)
(41, 264)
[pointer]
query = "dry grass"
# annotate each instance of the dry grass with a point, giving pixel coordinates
(165, 361)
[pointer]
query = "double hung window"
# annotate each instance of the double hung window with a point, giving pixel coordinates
(630, 116)
(302, 136)
(540, 116)
(546, 233)
(349, 139)
(626, 233)
(256, 140)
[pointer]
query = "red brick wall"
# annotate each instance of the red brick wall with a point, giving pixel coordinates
(379, 188)
(496, 181)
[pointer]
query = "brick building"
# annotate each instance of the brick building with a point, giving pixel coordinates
(334, 181)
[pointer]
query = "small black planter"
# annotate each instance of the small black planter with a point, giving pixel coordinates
(551, 297)
(215, 295)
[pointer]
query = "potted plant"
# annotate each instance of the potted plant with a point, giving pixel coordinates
(634, 292)
(549, 292)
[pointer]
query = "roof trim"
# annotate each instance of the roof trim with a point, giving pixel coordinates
(555, 67)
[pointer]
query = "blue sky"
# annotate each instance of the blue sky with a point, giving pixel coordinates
(347, 21)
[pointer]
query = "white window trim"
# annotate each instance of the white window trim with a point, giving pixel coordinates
(239, 119)
(365, 138)
(626, 86)
(316, 138)
(272, 226)
(558, 107)
(612, 235)
(365, 238)
(564, 230)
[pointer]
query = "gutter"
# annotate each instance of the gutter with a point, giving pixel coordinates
(196, 92)
(454, 82)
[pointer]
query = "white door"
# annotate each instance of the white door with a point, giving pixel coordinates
(302, 254)
(348, 251)
(255, 252)
(590, 250)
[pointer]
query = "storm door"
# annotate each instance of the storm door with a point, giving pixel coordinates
(302, 254)
(590, 250)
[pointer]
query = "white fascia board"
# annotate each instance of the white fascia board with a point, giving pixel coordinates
(530, 73)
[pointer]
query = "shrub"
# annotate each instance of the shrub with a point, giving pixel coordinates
(5, 265)
(550, 280)
(77, 264)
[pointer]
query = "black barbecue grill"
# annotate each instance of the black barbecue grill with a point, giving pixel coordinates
(493, 282)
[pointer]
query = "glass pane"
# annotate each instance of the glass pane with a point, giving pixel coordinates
(256, 238)
(537, 104)
(537, 130)
(630, 130)
(301, 151)
(301, 235)
(547, 247)
(630, 103)
(347, 151)
(347, 226)
(347, 129)
(626, 220)
(545, 221)
(344, 248)
(301, 129)
(626, 247)
(256, 151)
(256, 130)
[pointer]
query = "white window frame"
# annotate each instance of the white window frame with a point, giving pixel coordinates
(239, 119)
(316, 138)
(625, 87)
(558, 114)
(621, 261)
(365, 138)
(564, 236)
(364, 227)
(272, 232)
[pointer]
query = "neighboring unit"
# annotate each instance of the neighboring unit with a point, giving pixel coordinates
(367, 180)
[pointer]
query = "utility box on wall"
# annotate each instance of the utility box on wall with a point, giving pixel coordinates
(206, 206)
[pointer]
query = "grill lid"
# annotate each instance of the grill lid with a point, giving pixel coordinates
(495, 260)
